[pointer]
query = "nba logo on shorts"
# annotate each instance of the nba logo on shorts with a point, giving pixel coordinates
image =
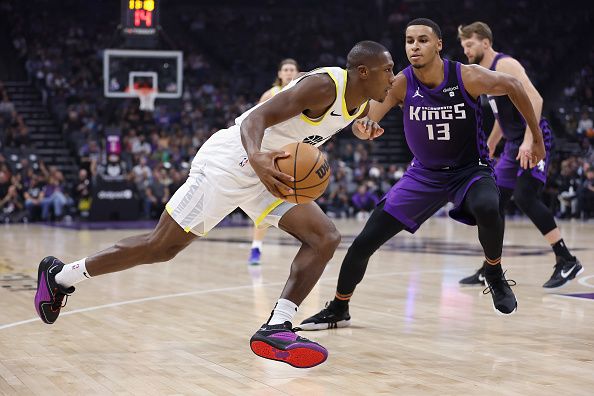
(243, 161)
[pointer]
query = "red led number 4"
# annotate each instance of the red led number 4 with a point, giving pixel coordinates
(143, 16)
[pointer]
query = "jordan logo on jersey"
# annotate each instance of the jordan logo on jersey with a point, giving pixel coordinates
(417, 94)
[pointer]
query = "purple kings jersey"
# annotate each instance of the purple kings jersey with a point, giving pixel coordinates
(511, 121)
(442, 125)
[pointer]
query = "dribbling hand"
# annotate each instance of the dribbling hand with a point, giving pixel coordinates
(368, 129)
(274, 180)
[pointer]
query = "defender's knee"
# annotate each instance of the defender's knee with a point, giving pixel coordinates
(487, 211)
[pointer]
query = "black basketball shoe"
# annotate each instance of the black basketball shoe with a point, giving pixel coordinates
(504, 300)
(565, 270)
(327, 318)
(49, 296)
(279, 342)
(478, 278)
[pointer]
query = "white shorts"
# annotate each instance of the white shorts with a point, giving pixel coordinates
(221, 180)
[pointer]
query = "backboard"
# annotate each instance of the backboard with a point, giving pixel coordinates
(128, 72)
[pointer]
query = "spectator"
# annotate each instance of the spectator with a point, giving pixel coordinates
(338, 202)
(586, 195)
(364, 201)
(585, 125)
(53, 197)
(34, 196)
(82, 193)
(568, 191)
(157, 195)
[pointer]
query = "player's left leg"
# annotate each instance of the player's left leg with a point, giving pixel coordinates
(319, 239)
(478, 278)
(482, 203)
(527, 198)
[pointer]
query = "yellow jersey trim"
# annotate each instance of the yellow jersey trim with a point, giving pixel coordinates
(169, 210)
(345, 112)
(267, 211)
(316, 122)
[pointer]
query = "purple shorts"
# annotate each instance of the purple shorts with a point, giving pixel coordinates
(421, 192)
(508, 169)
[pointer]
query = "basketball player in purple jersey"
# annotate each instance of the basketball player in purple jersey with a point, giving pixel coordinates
(525, 185)
(442, 127)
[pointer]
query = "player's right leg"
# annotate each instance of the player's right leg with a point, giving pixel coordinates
(380, 227)
(407, 205)
(276, 339)
(55, 280)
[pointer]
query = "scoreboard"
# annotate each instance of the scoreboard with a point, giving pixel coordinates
(140, 17)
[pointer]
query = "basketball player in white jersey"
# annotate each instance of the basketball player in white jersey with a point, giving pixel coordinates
(288, 69)
(235, 168)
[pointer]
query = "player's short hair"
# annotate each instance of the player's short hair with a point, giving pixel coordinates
(426, 22)
(363, 52)
(481, 29)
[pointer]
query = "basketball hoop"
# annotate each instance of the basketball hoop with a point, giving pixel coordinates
(147, 98)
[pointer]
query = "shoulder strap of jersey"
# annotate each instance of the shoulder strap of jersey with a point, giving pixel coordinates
(499, 56)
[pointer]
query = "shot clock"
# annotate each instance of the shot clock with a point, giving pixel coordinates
(140, 17)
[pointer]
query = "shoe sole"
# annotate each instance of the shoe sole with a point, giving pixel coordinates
(498, 312)
(566, 280)
(324, 326)
(473, 284)
(298, 355)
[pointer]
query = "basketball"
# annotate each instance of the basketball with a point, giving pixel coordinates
(310, 169)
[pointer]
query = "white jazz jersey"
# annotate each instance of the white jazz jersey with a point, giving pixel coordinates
(221, 178)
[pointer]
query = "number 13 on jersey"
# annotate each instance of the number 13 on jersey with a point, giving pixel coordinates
(441, 130)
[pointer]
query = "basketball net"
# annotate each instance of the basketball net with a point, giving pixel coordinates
(147, 98)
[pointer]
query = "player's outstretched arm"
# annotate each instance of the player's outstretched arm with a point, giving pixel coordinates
(367, 127)
(479, 80)
(314, 93)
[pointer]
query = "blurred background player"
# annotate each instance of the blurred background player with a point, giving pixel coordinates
(524, 185)
(288, 69)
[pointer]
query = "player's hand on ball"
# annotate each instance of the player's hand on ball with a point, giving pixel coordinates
(274, 180)
(368, 129)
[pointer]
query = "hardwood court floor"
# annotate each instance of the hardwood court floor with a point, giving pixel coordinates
(183, 327)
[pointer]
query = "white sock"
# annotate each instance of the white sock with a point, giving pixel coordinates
(257, 244)
(284, 311)
(73, 273)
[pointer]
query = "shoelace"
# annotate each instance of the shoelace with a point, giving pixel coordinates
(58, 303)
(489, 288)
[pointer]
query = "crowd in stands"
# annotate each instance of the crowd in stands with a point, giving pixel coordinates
(223, 78)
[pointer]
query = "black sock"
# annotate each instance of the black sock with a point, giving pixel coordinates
(338, 306)
(560, 249)
(493, 272)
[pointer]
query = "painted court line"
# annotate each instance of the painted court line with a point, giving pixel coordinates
(196, 292)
